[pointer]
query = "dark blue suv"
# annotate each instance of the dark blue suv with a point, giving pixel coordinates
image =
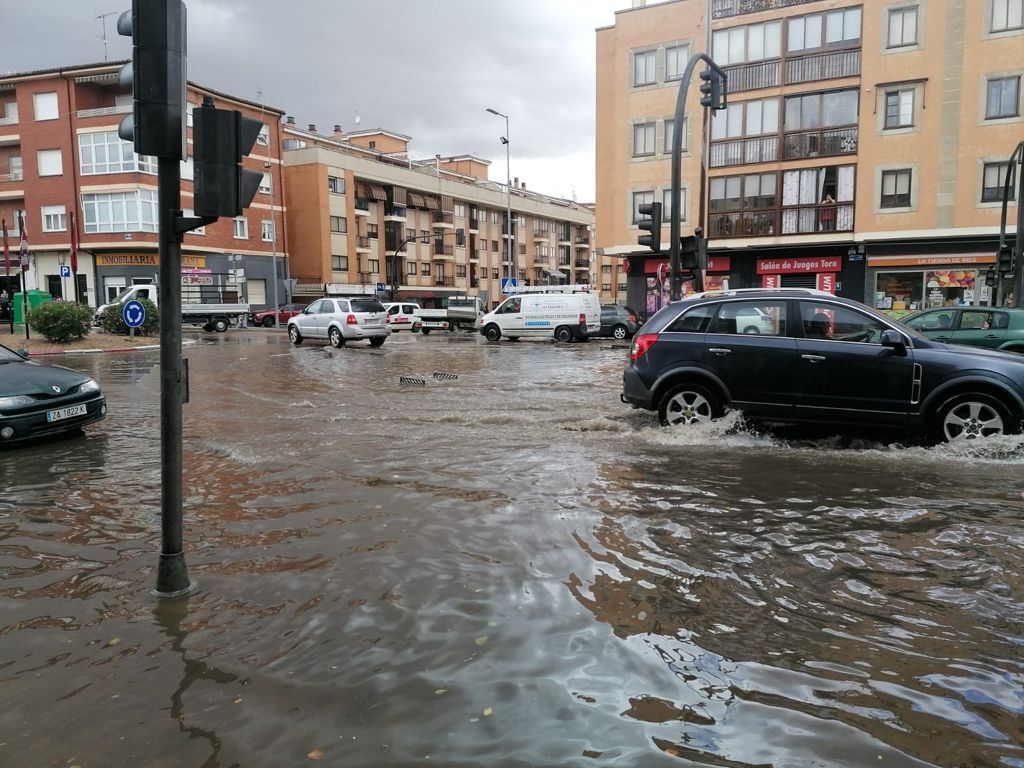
(798, 355)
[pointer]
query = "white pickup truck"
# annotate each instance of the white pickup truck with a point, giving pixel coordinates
(461, 313)
(199, 303)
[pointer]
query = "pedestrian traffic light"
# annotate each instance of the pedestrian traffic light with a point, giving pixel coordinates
(157, 78)
(651, 223)
(221, 138)
(712, 89)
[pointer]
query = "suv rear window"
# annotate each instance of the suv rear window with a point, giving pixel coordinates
(366, 305)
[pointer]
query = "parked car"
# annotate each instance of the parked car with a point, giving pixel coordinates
(268, 318)
(618, 322)
(340, 320)
(38, 400)
(974, 326)
(404, 316)
(829, 361)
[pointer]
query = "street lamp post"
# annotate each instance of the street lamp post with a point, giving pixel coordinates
(508, 189)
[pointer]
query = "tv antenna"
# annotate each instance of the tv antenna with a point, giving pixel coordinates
(103, 20)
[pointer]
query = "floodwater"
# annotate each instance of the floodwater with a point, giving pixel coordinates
(507, 568)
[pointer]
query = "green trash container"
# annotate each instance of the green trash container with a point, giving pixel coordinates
(35, 298)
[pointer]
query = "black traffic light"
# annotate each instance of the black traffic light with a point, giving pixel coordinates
(652, 224)
(157, 77)
(220, 139)
(712, 89)
(693, 251)
(1005, 257)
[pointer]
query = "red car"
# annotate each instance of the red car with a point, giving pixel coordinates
(284, 313)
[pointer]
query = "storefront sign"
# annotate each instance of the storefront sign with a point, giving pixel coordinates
(826, 281)
(195, 279)
(771, 281)
(929, 261)
(799, 266)
(719, 264)
(144, 260)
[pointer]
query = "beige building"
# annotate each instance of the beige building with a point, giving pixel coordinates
(363, 213)
(863, 149)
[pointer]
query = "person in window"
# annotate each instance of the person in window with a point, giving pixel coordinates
(818, 327)
(827, 214)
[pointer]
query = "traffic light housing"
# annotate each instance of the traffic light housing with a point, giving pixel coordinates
(651, 223)
(693, 251)
(712, 89)
(221, 138)
(1005, 257)
(157, 78)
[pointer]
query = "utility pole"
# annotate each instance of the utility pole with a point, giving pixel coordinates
(1014, 168)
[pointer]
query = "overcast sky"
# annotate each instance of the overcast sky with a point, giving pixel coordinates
(424, 68)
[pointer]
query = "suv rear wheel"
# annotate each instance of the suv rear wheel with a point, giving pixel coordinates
(688, 404)
(972, 416)
(335, 337)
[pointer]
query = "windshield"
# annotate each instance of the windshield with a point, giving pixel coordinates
(9, 355)
(121, 296)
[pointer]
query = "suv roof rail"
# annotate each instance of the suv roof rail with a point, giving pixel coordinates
(569, 288)
(742, 291)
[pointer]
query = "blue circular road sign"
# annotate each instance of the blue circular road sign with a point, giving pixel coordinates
(134, 314)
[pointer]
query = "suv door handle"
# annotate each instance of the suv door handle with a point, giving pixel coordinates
(992, 336)
(719, 351)
(942, 338)
(813, 358)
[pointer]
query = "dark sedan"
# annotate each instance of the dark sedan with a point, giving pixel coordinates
(38, 400)
(268, 318)
(618, 322)
(823, 360)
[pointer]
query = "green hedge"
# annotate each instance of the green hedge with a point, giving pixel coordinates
(61, 321)
(112, 320)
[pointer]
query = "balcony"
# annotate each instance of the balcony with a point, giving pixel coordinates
(822, 66)
(474, 282)
(447, 282)
(752, 77)
(362, 205)
(476, 256)
(394, 212)
(11, 177)
(823, 142)
(444, 219)
(582, 263)
(114, 109)
(444, 250)
(759, 149)
(564, 261)
(363, 242)
(795, 220)
(539, 236)
(474, 224)
(722, 9)
(582, 241)
(367, 277)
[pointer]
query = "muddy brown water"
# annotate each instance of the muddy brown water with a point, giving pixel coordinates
(509, 568)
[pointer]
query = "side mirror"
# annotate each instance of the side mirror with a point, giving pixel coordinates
(22, 352)
(894, 340)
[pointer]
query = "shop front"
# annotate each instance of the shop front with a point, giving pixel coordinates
(820, 272)
(900, 285)
(657, 274)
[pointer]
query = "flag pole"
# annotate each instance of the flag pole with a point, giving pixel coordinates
(24, 269)
(7, 272)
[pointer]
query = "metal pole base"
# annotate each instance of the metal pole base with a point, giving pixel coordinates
(172, 576)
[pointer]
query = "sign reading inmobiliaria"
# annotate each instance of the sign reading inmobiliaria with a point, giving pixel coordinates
(798, 266)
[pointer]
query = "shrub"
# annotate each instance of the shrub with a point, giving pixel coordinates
(61, 321)
(112, 320)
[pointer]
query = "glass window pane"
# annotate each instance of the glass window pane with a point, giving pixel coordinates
(735, 112)
(834, 28)
(773, 40)
(720, 46)
(737, 45)
(796, 34)
(810, 111)
(851, 24)
(812, 32)
(770, 116)
(755, 43)
(753, 118)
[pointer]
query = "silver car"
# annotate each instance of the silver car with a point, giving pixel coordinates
(341, 320)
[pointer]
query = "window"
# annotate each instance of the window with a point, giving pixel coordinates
(755, 191)
(339, 263)
(371, 231)
(50, 162)
(644, 67)
(339, 224)
(606, 269)
(336, 184)
(133, 211)
(267, 230)
(1007, 14)
(15, 168)
(241, 228)
(460, 211)
(494, 246)
(606, 287)
(676, 57)
(54, 218)
(896, 189)
(993, 177)
(410, 268)
(902, 27)
(425, 271)
(105, 152)
(373, 265)
(460, 270)
(265, 184)
(666, 205)
(837, 29)
(1002, 98)
(755, 42)
(765, 318)
(494, 273)
(823, 320)
(821, 110)
(44, 105)
(643, 139)
(641, 198)
(899, 109)
(670, 129)
(747, 118)
(694, 321)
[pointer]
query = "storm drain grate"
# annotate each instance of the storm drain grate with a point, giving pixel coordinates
(412, 381)
(445, 376)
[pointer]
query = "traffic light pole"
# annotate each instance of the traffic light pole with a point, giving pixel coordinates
(675, 282)
(172, 574)
(1015, 165)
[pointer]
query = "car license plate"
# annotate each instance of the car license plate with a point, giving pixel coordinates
(66, 413)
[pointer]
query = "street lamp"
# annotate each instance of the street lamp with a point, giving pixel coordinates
(508, 188)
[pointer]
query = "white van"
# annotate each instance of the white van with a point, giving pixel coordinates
(563, 313)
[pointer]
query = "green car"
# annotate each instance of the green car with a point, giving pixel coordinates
(993, 328)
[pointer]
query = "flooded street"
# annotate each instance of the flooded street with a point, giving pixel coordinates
(507, 568)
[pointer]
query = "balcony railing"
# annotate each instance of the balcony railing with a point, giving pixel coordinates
(11, 176)
(795, 220)
(444, 281)
(821, 66)
(367, 277)
(474, 223)
(362, 204)
(398, 211)
(581, 263)
(751, 77)
(721, 9)
(480, 254)
(362, 241)
(759, 149)
(819, 143)
(582, 240)
(444, 217)
(564, 261)
(117, 109)
(444, 250)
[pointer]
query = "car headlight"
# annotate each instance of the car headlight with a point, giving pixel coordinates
(15, 400)
(89, 386)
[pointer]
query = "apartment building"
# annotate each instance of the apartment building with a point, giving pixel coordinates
(863, 149)
(363, 213)
(63, 166)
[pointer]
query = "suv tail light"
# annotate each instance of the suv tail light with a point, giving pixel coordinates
(351, 320)
(632, 317)
(387, 318)
(641, 344)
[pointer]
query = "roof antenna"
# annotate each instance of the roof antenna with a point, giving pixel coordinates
(103, 20)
